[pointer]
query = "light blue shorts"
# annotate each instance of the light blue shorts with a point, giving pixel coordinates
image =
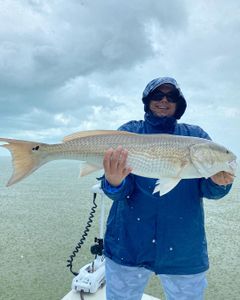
(128, 283)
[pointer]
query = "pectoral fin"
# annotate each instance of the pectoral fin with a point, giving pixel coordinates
(165, 185)
(87, 168)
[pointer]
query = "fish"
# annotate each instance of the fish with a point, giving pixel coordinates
(165, 157)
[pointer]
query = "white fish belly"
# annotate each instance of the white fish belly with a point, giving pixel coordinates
(159, 168)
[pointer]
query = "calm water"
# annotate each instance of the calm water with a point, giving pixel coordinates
(42, 218)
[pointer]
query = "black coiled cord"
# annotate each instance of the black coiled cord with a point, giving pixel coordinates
(83, 237)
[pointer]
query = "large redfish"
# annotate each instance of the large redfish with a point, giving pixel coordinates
(168, 158)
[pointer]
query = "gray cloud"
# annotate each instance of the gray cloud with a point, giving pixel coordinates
(48, 44)
(75, 65)
(49, 53)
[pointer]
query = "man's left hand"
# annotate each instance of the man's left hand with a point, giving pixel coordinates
(222, 178)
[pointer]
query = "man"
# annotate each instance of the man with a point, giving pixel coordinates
(147, 233)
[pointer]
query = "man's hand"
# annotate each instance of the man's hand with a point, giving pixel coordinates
(114, 163)
(222, 178)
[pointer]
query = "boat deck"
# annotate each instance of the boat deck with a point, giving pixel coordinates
(100, 295)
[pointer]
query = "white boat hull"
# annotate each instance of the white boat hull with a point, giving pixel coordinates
(99, 295)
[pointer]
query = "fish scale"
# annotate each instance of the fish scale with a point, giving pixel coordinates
(168, 158)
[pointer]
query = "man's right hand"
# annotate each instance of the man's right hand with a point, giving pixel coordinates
(115, 165)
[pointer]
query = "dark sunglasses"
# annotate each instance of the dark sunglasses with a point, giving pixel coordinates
(172, 96)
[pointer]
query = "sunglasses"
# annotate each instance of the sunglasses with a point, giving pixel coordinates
(172, 96)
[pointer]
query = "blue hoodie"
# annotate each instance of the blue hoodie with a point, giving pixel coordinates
(166, 233)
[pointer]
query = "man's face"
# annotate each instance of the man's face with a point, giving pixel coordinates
(163, 108)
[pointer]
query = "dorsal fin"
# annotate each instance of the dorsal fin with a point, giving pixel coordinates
(81, 134)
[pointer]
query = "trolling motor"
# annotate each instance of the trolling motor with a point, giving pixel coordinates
(92, 276)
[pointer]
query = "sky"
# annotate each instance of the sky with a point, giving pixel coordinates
(72, 65)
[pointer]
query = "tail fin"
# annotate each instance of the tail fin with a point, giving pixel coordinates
(26, 158)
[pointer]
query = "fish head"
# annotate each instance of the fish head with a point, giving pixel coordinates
(210, 158)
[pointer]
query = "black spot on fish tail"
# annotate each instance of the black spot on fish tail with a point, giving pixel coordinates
(35, 148)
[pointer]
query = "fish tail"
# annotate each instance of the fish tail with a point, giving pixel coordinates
(26, 158)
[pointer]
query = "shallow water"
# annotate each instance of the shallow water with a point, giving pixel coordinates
(43, 217)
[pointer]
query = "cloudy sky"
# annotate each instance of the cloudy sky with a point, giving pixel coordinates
(70, 65)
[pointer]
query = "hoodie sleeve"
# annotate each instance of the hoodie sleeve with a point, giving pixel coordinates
(211, 190)
(122, 191)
